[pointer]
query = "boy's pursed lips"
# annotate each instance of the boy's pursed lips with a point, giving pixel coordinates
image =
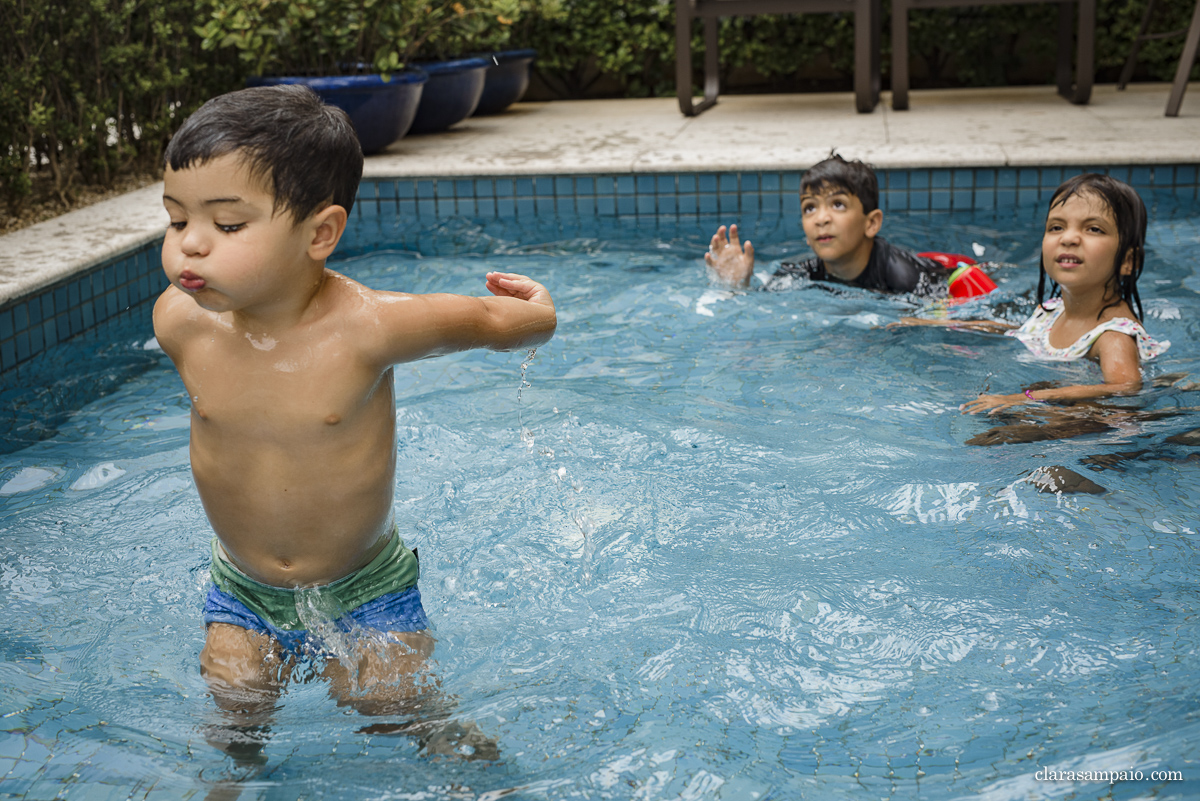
(190, 281)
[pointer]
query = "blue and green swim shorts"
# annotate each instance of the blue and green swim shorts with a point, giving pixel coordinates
(382, 596)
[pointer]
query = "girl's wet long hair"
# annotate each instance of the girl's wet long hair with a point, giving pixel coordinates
(1129, 213)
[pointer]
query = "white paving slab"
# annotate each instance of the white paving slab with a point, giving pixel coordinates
(1014, 126)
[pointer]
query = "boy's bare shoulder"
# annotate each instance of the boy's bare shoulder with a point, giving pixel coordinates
(175, 315)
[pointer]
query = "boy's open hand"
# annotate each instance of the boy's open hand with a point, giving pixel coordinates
(729, 262)
(511, 285)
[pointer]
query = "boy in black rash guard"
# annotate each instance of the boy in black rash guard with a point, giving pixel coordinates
(839, 210)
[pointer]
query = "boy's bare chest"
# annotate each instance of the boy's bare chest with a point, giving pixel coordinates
(289, 389)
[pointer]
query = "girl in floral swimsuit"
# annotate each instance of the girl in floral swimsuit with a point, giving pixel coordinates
(1092, 251)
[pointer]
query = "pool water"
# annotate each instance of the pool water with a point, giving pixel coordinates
(712, 546)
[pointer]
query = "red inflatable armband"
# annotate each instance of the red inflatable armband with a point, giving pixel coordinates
(950, 261)
(967, 280)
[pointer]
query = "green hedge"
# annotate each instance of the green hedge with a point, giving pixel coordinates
(90, 89)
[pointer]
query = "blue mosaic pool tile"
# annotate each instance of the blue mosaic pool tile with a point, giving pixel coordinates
(687, 184)
(406, 208)
(707, 204)
(387, 190)
(1006, 177)
(894, 200)
(963, 199)
(727, 183)
(425, 189)
(49, 334)
(6, 324)
(939, 179)
(36, 343)
(728, 204)
(506, 208)
(585, 207)
(565, 206)
(688, 204)
(664, 184)
(644, 184)
(506, 187)
(918, 201)
(626, 205)
(466, 207)
(606, 205)
(1029, 176)
(585, 185)
(918, 179)
(1029, 196)
(1185, 174)
(706, 182)
(427, 209)
(939, 200)
(526, 207)
(790, 204)
(625, 185)
(985, 178)
(771, 182)
(791, 182)
(1141, 177)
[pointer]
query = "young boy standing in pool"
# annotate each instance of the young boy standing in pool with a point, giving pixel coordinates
(840, 214)
(288, 367)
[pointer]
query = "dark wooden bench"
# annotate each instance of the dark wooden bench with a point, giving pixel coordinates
(866, 43)
(1078, 91)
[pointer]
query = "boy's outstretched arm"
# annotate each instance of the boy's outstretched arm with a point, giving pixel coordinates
(519, 315)
(728, 263)
(984, 326)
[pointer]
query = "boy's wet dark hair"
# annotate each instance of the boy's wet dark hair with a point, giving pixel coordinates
(305, 149)
(1129, 213)
(851, 176)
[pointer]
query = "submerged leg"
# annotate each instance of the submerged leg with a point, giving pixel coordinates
(245, 671)
(387, 675)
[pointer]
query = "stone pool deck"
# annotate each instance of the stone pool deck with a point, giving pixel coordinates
(1026, 126)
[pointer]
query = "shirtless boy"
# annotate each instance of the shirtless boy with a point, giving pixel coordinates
(840, 214)
(288, 366)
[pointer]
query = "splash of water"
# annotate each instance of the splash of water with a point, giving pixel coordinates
(561, 477)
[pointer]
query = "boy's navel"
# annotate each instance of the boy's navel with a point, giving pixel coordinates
(333, 420)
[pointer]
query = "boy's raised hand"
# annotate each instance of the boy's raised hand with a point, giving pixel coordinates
(512, 285)
(728, 261)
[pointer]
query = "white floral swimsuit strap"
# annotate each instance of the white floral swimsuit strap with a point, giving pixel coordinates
(1035, 335)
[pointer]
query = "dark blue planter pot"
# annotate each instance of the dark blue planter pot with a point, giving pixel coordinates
(452, 93)
(381, 111)
(507, 80)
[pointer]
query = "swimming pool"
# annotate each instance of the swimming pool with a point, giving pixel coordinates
(722, 546)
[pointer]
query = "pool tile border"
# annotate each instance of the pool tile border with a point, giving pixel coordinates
(124, 285)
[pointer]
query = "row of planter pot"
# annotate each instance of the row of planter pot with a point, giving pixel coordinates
(425, 98)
